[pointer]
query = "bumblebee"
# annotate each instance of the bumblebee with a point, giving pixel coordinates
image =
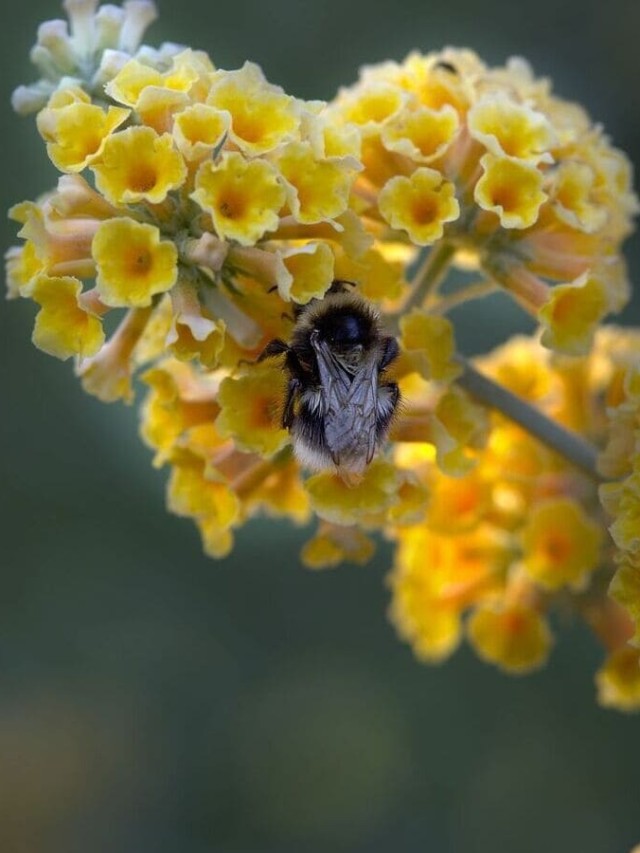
(339, 405)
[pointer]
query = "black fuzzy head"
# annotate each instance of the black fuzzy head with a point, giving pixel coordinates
(344, 326)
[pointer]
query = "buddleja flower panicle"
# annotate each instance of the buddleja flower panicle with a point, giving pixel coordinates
(202, 208)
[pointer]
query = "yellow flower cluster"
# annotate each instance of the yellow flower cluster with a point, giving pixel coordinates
(521, 531)
(516, 180)
(204, 208)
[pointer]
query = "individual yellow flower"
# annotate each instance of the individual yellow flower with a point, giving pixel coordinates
(217, 542)
(457, 504)
(334, 544)
(422, 134)
(561, 544)
(132, 79)
(76, 130)
(262, 116)
(243, 197)
(317, 189)
(572, 313)
(178, 400)
(107, 375)
(420, 205)
(63, 327)
(133, 263)
(572, 197)
(195, 493)
(138, 165)
(279, 492)
(347, 503)
(512, 189)
(158, 106)
(193, 332)
(514, 637)
(413, 497)
(380, 276)
(199, 130)
(459, 426)
(22, 265)
(509, 129)
(250, 410)
(56, 247)
(340, 140)
(434, 631)
(310, 268)
(618, 680)
(427, 339)
(370, 105)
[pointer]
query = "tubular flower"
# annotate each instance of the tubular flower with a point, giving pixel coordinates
(138, 165)
(76, 130)
(243, 197)
(133, 263)
(228, 218)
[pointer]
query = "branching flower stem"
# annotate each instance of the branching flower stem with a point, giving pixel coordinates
(432, 271)
(563, 441)
(573, 447)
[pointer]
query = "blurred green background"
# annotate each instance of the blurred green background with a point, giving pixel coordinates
(154, 701)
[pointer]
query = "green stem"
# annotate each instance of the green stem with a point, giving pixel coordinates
(472, 291)
(429, 275)
(573, 447)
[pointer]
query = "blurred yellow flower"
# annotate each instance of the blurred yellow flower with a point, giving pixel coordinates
(561, 544)
(514, 637)
(618, 680)
(571, 315)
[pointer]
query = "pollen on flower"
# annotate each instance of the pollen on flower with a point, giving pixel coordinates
(133, 263)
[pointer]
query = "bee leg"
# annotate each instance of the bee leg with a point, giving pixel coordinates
(274, 347)
(293, 386)
(390, 351)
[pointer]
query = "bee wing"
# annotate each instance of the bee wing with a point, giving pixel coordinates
(350, 401)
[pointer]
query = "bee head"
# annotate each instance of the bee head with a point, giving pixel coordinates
(345, 326)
